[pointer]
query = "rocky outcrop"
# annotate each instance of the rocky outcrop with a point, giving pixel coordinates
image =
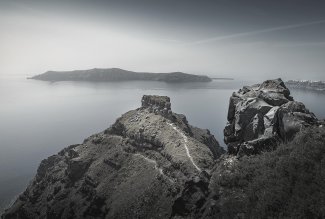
(262, 116)
(149, 164)
(116, 74)
(307, 85)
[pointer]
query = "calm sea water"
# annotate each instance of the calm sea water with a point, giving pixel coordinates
(39, 118)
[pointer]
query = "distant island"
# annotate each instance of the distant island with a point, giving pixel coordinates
(307, 85)
(116, 74)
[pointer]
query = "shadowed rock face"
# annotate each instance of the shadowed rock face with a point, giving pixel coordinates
(263, 115)
(149, 164)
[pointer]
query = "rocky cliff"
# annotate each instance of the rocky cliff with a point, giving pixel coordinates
(116, 74)
(263, 115)
(307, 85)
(144, 166)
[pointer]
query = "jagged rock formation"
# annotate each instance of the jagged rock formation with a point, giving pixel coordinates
(116, 74)
(262, 116)
(307, 85)
(150, 164)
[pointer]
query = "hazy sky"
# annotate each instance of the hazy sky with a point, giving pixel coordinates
(261, 39)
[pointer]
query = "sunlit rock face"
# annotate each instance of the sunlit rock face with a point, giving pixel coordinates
(149, 164)
(263, 115)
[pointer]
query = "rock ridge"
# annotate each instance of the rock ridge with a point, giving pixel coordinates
(151, 154)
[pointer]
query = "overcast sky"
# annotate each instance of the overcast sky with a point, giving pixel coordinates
(228, 38)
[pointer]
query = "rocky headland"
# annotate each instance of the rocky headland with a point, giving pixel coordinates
(143, 166)
(307, 85)
(116, 74)
(151, 163)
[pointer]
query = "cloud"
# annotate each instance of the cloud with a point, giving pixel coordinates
(255, 32)
(302, 44)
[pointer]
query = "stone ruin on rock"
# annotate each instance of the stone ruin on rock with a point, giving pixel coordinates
(157, 104)
(263, 115)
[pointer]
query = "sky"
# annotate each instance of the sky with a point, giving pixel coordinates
(221, 38)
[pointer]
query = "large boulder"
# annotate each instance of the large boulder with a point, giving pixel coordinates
(263, 115)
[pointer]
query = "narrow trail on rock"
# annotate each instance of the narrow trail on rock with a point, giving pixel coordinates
(160, 170)
(185, 146)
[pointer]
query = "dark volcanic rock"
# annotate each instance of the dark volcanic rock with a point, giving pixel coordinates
(147, 165)
(263, 115)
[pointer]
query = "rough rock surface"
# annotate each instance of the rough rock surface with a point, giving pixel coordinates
(150, 164)
(262, 116)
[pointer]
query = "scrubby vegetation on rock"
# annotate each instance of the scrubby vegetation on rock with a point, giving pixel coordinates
(285, 183)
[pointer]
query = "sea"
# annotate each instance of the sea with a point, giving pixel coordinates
(39, 118)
